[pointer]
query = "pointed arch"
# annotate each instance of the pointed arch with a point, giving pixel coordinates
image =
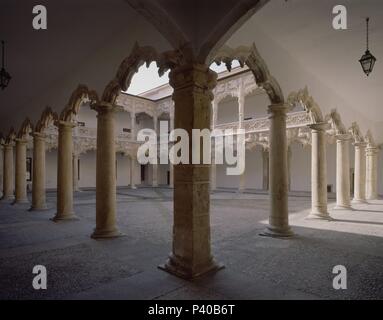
(131, 64)
(303, 98)
(48, 117)
(79, 96)
(335, 120)
(250, 57)
(11, 136)
(25, 129)
(369, 138)
(356, 133)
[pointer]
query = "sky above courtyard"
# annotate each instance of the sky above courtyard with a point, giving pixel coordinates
(147, 78)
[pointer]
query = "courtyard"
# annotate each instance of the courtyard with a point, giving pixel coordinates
(256, 267)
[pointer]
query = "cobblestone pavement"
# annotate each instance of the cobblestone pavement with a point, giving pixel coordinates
(126, 268)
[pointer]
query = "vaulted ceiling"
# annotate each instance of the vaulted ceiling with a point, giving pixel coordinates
(87, 40)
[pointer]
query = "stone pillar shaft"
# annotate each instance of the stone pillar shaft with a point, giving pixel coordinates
(75, 172)
(8, 172)
(279, 217)
(65, 172)
(318, 172)
(105, 174)
(372, 173)
(191, 254)
(133, 126)
(132, 167)
(38, 181)
(342, 172)
(265, 169)
(360, 173)
(21, 172)
(154, 175)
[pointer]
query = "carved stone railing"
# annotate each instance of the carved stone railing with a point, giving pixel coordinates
(293, 120)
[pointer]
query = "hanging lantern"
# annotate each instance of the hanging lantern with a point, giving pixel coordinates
(5, 77)
(368, 60)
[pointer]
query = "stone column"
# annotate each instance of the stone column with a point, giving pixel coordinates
(155, 166)
(171, 167)
(8, 172)
(265, 169)
(21, 172)
(360, 173)
(154, 175)
(213, 171)
(372, 173)
(132, 166)
(75, 172)
(279, 216)
(38, 181)
(289, 155)
(65, 172)
(241, 105)
(191, 254)
(342, 172)
(105, 173)
(242, 181)
(319, 172)
(133, 126)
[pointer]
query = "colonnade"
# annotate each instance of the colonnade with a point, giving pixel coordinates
(191, 256)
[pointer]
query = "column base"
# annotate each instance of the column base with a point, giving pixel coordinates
(154, 185)
(133, 187)
(8, 199)
(66, 217)
(343, 207)
(359, 201)
(277, 232)
(20, 201)
(183, 270)
(39, 208)
(106, 234)
(319, 216)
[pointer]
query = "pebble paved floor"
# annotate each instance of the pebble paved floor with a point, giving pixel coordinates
(256, 267)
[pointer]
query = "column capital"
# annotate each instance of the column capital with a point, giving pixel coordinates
(39, 135)
(8, 145)
(21, 141)
(197, 75)
(64, 124)
(372, 150)
(360, 144)
(320, 126)
(278, 108)
(104, 107)
(343, 137)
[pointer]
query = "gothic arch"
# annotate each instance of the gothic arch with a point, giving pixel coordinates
(303, 98)
(130, 65)
(11, 136)
(80, 95)
(250, 56)
(25, 129)
(48, 117)
(369, 138)
(356, 133)
(336, 123)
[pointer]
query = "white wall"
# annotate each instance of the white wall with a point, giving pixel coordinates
(254, 169)
(300, 167)
(227, 110)
(87, 170)
(51, 169)
(256, 105)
